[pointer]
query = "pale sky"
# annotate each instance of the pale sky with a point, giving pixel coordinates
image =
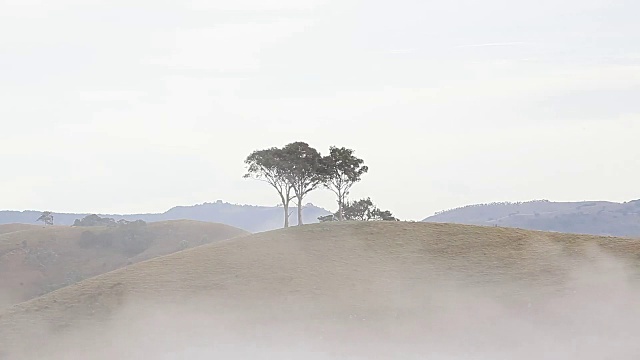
(141, 105)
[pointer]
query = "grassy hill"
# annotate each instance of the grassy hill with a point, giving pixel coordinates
(351, 290)
(247, 217)
(9, 228)
(586, 217)
(35, 260)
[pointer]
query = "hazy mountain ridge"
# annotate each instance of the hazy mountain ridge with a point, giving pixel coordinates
(247, 217)
(586, 217)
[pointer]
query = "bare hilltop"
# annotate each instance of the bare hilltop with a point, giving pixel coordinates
(356, 290)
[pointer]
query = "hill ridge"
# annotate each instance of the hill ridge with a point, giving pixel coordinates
(345, 284)
(252, 218)
(44, 259)
(584, 217)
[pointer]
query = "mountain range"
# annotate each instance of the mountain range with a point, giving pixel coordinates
(247, 217)
(585, 217)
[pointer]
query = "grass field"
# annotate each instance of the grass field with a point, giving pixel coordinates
(352, 290)
(35, 260)
(9, 228)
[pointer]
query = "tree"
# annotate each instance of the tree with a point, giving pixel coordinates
(270, 166)
(383, 215)
(361, 210)
(46, 217)
(94, 220)
(343, 169)
(304, 171)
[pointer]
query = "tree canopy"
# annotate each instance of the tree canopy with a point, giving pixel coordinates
(95, 220)
(343, 169)
(304, 170)
(297, 169)
(361, 210)
(271, 166)
(46, 217)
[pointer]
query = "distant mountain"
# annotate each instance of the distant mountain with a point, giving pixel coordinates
(247, 217)
(586, 217)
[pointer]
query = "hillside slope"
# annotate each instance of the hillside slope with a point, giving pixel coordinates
(247, 217)
(352, 290)
(37, 260)
(9, 228)
(587, 217)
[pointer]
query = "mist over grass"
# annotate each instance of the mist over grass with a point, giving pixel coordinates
(592, 314)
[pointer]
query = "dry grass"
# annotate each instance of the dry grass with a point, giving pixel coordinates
(9, 228)
(382, 278)
(35, 259)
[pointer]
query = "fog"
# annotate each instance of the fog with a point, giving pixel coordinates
(594, 313)
(137, 106)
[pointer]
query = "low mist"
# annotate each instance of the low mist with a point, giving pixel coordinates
(594, 313)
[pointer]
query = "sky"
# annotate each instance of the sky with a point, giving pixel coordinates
(140, 105)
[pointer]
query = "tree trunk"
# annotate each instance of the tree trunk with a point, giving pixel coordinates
(339, 205)
(300, 212)
(286, 215)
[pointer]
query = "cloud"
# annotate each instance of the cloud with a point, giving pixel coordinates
(22, 8)
(111, 95)
(515, 43)
(402, 51)
(223, 48)
(82, 76)
(254, 5)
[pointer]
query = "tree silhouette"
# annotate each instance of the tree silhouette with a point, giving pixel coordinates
(304, 170)
(46, 217)
(361, 210)
(343, 169)
(270, 166)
